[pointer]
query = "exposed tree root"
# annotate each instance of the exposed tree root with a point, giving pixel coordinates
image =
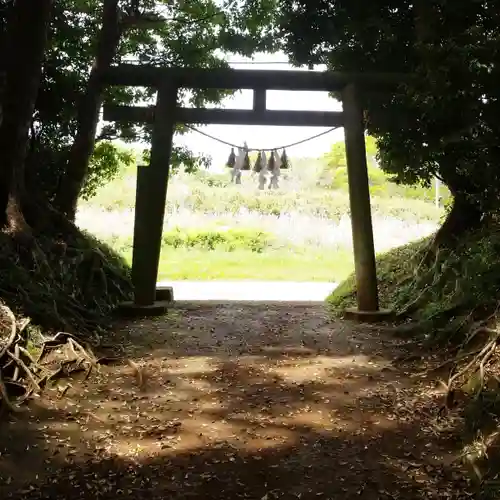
(138, 373)
(59, 356)
(68, 289)
(5, 397)
(472, 367)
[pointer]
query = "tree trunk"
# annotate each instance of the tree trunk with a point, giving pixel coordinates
(26, 36)
(425, 17)
(463, 217)
(88, 113)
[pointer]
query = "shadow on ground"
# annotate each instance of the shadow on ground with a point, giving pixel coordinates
(236, 401)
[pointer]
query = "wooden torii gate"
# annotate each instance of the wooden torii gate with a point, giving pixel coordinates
(152, 181)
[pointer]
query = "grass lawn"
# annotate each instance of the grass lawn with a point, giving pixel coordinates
(272, 265)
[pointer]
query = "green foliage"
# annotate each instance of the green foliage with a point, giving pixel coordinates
(181, 156)
(228, 240)
(336, 157)
(334, 176)
(452, 299)
(196, 33)
(106, 163)
(444, 121)
(334, 173)
(249, 27)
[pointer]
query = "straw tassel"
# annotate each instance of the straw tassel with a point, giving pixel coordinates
(258, 166)
(246, 161)
(231, 161)
(271, 162)
(285, 162)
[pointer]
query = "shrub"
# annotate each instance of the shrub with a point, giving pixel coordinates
(214, 239)
(219, 180)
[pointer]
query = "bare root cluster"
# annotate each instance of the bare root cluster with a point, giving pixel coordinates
(476, 361)
(25, 371)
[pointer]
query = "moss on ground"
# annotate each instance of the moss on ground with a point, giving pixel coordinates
(446, 292)
(70, 285)
(393, 268)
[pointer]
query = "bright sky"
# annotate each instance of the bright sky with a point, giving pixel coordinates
(267, 137)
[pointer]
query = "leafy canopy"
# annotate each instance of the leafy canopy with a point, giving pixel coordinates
(336, 157)
(445, 121)
(195, 33)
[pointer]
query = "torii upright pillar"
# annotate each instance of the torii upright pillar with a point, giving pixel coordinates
(361, 219)
(151, 196)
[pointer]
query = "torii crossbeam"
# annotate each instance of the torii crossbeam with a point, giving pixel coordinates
(153, 180)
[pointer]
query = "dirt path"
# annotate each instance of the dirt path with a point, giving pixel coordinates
(235, 401)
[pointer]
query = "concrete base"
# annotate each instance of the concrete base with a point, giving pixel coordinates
(379, 316)
(165, 293)
(131, 310)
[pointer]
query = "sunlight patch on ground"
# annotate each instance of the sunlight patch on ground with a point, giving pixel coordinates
(191, 365)
(199, 401)
(315, 369)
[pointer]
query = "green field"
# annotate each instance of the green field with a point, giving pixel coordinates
(215, 230)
